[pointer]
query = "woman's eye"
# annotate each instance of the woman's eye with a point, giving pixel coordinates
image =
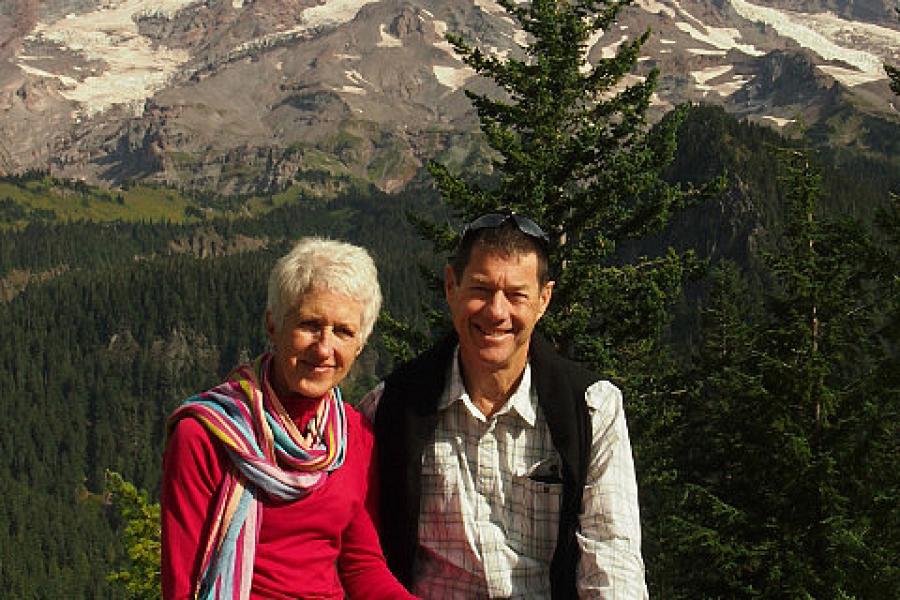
(308, 326)
(344, 333)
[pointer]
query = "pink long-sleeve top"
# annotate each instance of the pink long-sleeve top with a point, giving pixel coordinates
(322, 546)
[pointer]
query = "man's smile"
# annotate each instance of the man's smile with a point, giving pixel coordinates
(492, 333)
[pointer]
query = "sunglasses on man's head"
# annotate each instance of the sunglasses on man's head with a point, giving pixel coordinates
(495, 220)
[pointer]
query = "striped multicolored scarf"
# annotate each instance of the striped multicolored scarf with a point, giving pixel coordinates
(268, 455)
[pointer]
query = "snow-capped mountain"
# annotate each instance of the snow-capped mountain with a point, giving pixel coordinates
(240, 95)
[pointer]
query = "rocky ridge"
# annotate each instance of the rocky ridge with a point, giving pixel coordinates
(245, 96)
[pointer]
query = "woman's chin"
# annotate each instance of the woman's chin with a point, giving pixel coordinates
(307, 391)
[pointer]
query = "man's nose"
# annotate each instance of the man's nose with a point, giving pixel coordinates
(498, 306)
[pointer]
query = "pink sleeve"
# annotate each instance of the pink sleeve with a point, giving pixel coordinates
(192, 471)
(364, 572)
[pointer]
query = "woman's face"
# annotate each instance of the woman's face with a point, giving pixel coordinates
(317, 343)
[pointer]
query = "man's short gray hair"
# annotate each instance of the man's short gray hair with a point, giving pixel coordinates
(318, 263)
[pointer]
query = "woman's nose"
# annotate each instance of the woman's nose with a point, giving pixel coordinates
(324, 342)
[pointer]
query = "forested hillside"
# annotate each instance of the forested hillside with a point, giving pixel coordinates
(126, 323)
(95, 357)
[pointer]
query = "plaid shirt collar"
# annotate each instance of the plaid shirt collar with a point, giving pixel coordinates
(522, 402)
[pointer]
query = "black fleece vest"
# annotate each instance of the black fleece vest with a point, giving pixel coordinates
(405, 422)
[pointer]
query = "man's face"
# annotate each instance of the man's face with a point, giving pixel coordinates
(495, 307)
(317, 343)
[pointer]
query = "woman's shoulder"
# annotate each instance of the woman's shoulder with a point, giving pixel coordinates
(189, 439)
(359, 428)
(188, 430)
(356, 418)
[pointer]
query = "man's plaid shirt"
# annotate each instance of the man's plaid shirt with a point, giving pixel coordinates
(490, 507)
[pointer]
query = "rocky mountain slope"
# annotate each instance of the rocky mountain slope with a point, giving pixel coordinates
(241, 95)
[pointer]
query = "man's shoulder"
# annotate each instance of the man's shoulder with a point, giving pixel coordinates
(368, 406)
(423, 365)
(554, 369)
(419, 378)
(603, 395)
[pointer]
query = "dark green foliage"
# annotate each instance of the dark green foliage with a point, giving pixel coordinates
(140, 578)
(894, 74)
(41, 246)
(789, 422)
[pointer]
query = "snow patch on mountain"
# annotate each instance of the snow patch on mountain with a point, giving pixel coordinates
(66, 81)
(780, 121)
(850, 77)
(490, 7)
(135, 69)
(654, 7)
(333, 12)
(851, 33)
(440, 29)
(705, 75)
(386, 40)
(452, 77)
(722, 39)
(705, 52)
(724, 88)
(609, 51)
(826, 34)
(803, 30)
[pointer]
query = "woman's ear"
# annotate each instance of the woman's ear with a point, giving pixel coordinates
(270, 325)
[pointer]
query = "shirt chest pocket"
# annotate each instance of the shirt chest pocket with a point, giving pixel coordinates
(534, 516)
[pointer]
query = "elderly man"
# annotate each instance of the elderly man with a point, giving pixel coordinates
(506, 470)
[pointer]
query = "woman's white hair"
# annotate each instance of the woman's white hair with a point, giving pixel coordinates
(318, 263)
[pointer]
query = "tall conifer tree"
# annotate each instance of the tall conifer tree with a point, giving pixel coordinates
(790, 423)
(573, 149)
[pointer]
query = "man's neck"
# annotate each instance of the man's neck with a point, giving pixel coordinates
(490, 390)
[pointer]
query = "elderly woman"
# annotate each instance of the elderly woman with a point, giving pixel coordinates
(268, 477)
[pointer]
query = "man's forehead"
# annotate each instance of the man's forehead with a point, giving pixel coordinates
(487, 254)
(512, 267)
(517, 280)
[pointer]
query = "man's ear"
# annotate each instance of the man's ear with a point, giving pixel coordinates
(450, 282)
(546, 295)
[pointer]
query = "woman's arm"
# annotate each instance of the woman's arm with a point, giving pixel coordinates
(192, 471)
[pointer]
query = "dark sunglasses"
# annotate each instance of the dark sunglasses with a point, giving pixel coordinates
(495, 220)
